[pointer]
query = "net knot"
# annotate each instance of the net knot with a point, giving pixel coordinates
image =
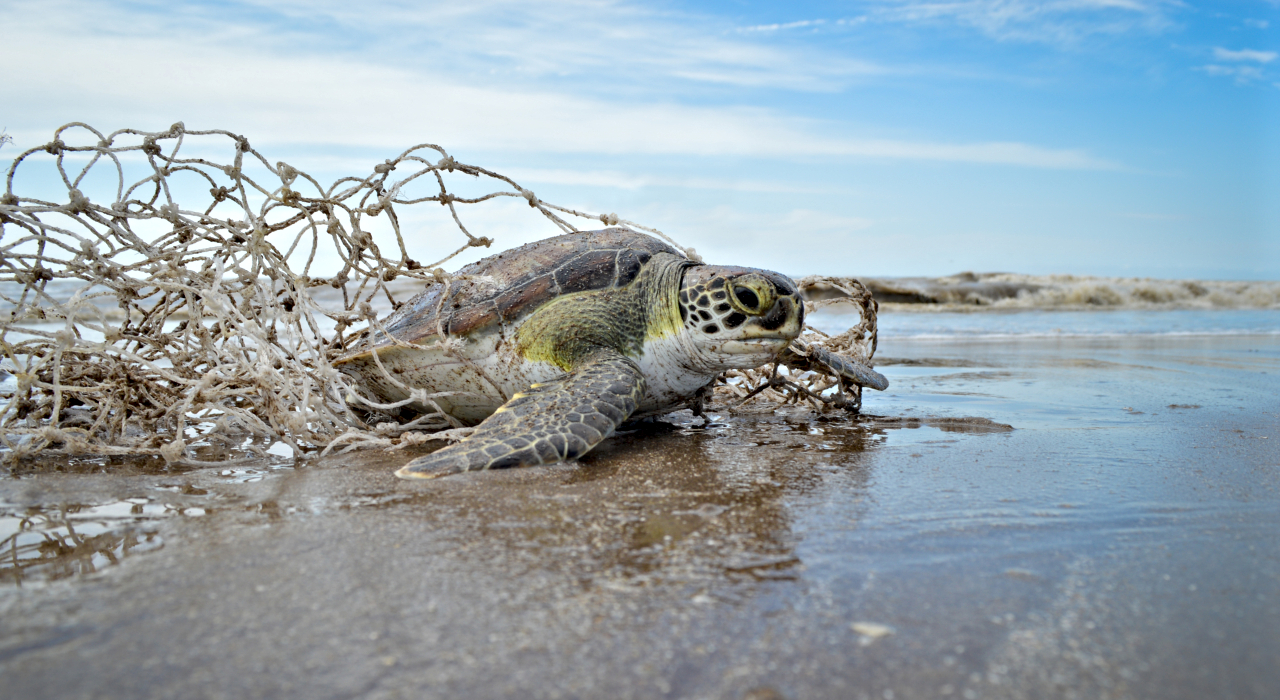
(447, 163)
(609, 219)
(384, 167)
(66, 338)
(483, 241)
(287, 173)
(150, 147)
(529, 195)
(294, 422)
(51, 434)
(79, 202)
(55, 147)
(214, 303)
(174, 451)
(37, 274)
(8, 199)
(692, 255)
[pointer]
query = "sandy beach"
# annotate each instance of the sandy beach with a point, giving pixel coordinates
(257, 258)
(1077, 517)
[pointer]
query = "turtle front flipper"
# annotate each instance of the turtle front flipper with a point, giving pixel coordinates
(804, 356)
(551, 422)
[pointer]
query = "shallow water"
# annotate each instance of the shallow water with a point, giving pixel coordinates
(1086, 515)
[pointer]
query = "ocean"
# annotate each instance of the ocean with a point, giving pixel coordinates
(1003, 304)
(903, 321)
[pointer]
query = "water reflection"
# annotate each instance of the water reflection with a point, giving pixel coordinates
(238, 456)
(661, 504)
(47, 543)
(665, 502)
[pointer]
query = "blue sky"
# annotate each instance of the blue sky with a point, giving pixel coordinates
(893, 137)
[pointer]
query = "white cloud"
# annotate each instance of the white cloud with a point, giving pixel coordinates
(797, 241)
(626, 181)
(824, 222)
(1045, 21)
(1257, 23)
(565, 39)
(1240, 73)
(1244, 55)
(147, 73)
(799, 24)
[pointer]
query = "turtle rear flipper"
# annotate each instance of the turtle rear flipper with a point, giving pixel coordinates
(804, 356)
(551, 422)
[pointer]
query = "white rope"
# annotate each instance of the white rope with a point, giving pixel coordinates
(139, 324)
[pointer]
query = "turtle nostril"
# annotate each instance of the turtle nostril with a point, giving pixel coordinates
(747, 298)
(777, 315)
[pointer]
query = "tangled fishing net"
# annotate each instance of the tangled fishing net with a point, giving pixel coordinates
(136, 321)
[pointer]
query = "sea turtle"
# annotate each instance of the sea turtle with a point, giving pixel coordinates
(568, 337)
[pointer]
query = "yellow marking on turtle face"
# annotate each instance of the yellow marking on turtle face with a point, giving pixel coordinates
(664, 305)
(664, 314)
(567, 328)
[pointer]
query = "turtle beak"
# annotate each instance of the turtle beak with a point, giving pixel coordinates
(771, 333)
(755, 346)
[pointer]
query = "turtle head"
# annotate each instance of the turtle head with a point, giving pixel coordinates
(739, 317)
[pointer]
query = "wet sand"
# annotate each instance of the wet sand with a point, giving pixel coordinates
(1051, 518)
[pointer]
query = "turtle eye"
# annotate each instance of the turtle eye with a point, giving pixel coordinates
(747, 298)
(752, 294)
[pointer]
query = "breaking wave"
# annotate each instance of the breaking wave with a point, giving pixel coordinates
(1002, 290)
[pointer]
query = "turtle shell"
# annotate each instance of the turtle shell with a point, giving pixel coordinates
(503, 288)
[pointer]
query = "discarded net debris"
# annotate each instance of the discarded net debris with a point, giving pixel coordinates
(178, 310)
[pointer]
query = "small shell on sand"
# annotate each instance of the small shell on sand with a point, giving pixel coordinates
(871, 631)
